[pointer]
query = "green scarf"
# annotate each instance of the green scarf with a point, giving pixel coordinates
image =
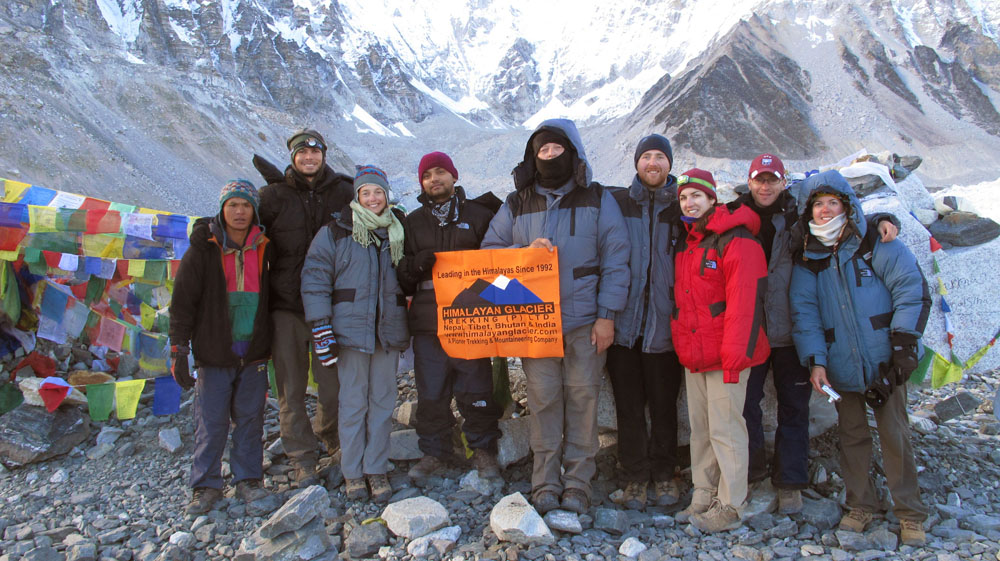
(366, 222)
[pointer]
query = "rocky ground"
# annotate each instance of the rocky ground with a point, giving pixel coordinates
(121, 493)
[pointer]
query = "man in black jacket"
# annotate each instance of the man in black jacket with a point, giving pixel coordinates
(446, 221)
(292, 212)
(218, 309)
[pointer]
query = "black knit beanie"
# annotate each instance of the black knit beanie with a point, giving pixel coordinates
(654, 142)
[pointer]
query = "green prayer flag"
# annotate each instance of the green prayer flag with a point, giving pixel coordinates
(100, 401)
(10, 397)
(8, 289)
(923, 366)
(936, 268)
(95, 289)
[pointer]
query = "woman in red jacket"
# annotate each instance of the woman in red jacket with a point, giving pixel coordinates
(718, 332)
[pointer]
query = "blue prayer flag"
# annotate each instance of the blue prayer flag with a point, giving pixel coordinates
(166, 396)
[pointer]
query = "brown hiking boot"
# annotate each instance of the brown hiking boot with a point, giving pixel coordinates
(692, 509)
(911, 532)
(355, 489)
(485, 462)
(635, 495)
(250, 490)
(667, 492)
(381, 489)
(856, 520)
(718, 518)
(545, 501)
(426, 467)
(304, 475)
(789, 501)
(575, 500)
(202, 500)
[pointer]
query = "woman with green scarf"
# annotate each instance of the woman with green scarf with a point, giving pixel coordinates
(358, 313)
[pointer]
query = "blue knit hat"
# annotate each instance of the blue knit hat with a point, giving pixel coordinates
(654, 142)
(371, 175)
(239, 188)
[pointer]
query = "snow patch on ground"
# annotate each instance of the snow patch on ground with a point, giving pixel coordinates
(985, 196)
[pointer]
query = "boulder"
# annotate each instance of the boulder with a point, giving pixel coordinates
(823, 513)
(86, 377)
(365, 539)
(513, 519)
(962, 403)
(564, 521)
(297, 512)
(612, 521)
(29, 388)
(109, 434)
(403, 445)
(514, 443)
(441, 541)
(416, 517)
(31, 434)
(306, 542)
(473, 482)
(631, 548)
(963, 229)
(170, 439)
(406, 413)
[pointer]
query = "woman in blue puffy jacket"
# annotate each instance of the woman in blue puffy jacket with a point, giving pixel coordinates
(857, 319)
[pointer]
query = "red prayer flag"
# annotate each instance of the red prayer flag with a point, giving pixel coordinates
(42, 365)
(90, 203)
(52, 258)
(935, 245)
(53, 391)
(79, 290)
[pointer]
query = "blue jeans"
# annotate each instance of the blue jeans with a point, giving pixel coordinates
(790, 467)
(224, 396)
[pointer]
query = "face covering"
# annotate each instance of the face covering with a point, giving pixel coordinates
(829, 233)
(555, 172)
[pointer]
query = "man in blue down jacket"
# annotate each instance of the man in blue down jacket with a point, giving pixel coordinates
(554, 204)
(642, 364)
(856, 324)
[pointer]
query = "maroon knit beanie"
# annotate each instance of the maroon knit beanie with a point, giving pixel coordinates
(698, 179)
(436, 160)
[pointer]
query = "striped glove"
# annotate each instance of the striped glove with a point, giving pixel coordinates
(325, 343)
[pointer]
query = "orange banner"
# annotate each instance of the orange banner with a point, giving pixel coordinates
(499, 302)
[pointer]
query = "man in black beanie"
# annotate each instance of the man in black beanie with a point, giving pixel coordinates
(642, 364)
(292, 211)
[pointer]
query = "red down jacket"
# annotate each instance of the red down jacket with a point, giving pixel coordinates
(721, 281)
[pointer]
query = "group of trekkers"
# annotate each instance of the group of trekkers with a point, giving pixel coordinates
(659, 283)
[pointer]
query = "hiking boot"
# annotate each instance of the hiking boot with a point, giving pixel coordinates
(575, 500)
(667, 492)
(545, 501)
(426, 467)
(789, 501)
(381, 489)
(250, 490)
(718, 518)
(485, 462)
(856, 520)
(692, 509)
(635, 495)
(305, 475)
(911, 532)
(202, 500)
(355, 489)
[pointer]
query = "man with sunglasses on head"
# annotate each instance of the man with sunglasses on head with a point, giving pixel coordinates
(292, 211)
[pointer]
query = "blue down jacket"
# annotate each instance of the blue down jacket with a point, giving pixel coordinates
(355, 287)
(582, 219)
(844, 305)
(651, 265)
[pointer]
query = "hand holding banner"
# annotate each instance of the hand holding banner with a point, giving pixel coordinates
(499, 302)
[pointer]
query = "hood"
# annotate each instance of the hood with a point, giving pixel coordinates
(524, 173)
(664, 195)
(324, 179)
(209, 231)
(726, 217)
(830, 182)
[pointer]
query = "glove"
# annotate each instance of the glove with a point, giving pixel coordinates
(325, 343)
(424, 260)
(881, 387)
(904, 357)
(179, 366)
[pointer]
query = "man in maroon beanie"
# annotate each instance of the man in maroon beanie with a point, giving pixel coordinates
(445, 221)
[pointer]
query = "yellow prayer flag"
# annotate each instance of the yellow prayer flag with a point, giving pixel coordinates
(13, 190)
(136, 267)
(148, 316)
(43, 219)
(941, 289)
(143, 210)
(9, 255)
(105, 246)
(127, 395)
(944, 371)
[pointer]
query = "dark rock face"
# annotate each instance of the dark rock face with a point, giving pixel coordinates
(954, 88)
(737, 91)
(974, 51)
(32, 434)
(516, 83)
(884, 71)
(964, 229)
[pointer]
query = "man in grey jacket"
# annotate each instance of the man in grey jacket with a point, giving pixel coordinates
(554, 204)
(642, 364)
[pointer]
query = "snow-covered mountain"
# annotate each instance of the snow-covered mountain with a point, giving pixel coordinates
(162, 100)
